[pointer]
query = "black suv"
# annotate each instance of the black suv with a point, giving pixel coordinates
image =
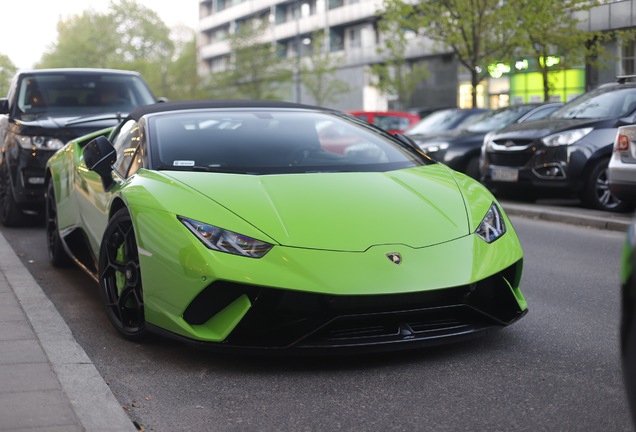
(45, 109)
(566, 154)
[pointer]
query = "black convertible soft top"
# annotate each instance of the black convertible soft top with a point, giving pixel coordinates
(138, 112)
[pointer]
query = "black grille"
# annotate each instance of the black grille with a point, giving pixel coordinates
(516, 142)
(511, 159)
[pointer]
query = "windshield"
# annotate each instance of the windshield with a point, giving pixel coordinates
(600, 103)
(442, 121)
(499, 119)
(75, 93)
(258, 141)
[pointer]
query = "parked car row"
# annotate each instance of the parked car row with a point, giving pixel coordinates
(552, 149)
(460, 148)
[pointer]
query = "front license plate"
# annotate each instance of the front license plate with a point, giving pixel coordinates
(505, 174)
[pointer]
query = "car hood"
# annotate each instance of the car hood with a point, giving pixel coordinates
(66, 127)
(541, 128)
(416, 207)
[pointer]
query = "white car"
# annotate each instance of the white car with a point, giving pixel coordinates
(621, 172)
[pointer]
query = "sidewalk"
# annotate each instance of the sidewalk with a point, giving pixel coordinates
(48, 383)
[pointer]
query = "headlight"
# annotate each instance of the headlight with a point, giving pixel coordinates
(226, 241)
(566, 137)
(41, 142)
(492, 225)
(433, 147)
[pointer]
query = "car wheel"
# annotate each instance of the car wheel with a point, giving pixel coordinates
(57, 254)
(10, 213)
(120, 277)
(596, 193)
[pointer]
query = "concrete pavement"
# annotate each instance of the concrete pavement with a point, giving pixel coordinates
(48, 383)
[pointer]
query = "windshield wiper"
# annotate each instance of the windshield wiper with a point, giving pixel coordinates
(202, 168)
(88, 119)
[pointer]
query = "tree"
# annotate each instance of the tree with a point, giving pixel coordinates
(181, 78)
(84, 40)
(7, 71)
(318, 72)
(550, 35)
(254, 71)
(129, 36)
(478, 32)
(395, 75)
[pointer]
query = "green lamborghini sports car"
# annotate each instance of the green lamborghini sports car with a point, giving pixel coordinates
(279, 227)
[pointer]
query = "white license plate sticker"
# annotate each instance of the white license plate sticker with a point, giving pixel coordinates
(505, 174)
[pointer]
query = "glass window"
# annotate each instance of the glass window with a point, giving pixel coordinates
(126, 143)
(268, 142)
(76, 93)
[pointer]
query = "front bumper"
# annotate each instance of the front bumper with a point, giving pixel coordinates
(311, 300)
(547, 169)
(283, 321)
(27, 169)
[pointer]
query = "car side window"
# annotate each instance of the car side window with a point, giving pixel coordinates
(126, 143)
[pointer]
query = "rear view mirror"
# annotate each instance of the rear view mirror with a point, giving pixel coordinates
(4, 106)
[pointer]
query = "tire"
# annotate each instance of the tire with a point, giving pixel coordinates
(10, 213)
(596, 194)
(120, 278)
(57, 253)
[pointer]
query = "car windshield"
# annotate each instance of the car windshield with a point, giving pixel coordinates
(441, 121)
(76, 93)
(498, 119)
(600, 103)
(266, 141)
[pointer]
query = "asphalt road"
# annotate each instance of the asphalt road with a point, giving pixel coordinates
(557, 369)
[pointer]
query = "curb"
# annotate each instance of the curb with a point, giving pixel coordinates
(91, 399)
(572, 216)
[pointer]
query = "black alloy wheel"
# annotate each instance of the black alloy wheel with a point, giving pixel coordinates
(10, 213)
(597, 194)
(57, 254)
(120, 277)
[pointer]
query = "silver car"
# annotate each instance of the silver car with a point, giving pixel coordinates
(621, 172)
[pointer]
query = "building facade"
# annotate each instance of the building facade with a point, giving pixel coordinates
(352, 34)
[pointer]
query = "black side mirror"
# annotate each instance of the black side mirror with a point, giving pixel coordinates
(4, 106)
(99, 156)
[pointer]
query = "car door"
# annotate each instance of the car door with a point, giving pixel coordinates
(93, 200)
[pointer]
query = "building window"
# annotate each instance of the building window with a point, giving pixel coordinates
(336, 39)
(627, 58)
(354, 37)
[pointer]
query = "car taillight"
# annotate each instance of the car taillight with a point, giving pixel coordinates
(622, 143)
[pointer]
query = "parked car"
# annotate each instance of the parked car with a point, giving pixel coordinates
(445, 120)
(621, 172)
(390, 121)
(628, 318)
(213, 222)
(43, 110)
(426, 111)
(566, 154)
(460, 149)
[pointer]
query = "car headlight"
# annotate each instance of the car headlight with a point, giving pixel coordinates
(492, 225)
(566, 137)
(40, 142)
(433, 147)
(223, 240)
